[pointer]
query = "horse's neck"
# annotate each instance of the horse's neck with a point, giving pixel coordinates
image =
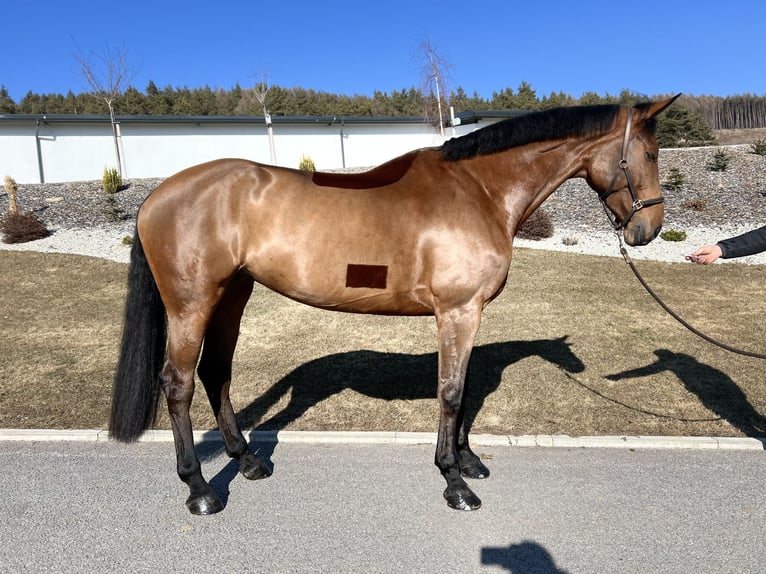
(530, 174)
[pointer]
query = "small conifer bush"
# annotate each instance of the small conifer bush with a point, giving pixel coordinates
(111, 180)
(758, 147)
(720, 160)
(306, 164)
(675, 180)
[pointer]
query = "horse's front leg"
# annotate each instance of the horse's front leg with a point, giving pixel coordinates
(457, 331)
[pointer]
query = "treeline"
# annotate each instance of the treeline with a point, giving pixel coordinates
(733, 112)
(747, 111)
(284, 101)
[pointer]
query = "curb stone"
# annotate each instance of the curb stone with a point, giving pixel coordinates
(404, 438)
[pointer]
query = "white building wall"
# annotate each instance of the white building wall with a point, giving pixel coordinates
(72, 150)
(160, 150)
(17, 154)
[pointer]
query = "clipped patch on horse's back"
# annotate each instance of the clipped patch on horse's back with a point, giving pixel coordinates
(385, 174)
(370, 276)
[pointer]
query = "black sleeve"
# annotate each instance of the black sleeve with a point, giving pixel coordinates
(748, 243)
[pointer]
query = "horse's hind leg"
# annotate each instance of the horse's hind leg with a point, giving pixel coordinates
(470, 463)
(177, 379)
(215, 373)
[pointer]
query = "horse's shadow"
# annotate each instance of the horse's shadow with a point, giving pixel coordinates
(715, 389)
(392, 376)
(387, 376)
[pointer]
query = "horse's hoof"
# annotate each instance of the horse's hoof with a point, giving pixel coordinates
(462, 499)
(205, 504)
(253, 467)
(475, 470)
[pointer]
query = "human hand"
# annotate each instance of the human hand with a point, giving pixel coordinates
(705, 255)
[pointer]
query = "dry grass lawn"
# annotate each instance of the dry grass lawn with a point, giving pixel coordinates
(573, 346)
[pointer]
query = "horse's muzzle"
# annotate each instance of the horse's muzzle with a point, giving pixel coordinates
(640, 233)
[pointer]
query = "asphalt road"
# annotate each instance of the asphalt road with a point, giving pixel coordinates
(105, 507)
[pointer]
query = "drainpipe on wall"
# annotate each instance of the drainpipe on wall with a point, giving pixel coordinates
(342, 145)
(118, 133)
(270, 130)
(39, 151)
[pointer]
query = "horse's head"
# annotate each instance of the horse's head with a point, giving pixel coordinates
(626, 175)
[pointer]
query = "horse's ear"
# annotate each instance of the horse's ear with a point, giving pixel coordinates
(655, 108)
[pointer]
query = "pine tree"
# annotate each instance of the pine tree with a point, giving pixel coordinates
(678, 127)
(7, 105)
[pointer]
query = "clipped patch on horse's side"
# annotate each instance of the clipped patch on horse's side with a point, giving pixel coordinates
(370, 276)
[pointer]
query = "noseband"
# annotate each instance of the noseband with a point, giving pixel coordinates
(622, 167)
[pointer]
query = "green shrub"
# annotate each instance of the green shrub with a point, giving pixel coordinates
(720, 160)
(673, 235)
(758, 147)
(306, 164)
(111, 180)
(538, 226)
(675, 180)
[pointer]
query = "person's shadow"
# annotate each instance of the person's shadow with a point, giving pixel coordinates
(717, 391)
(524, 558)
(392, 376)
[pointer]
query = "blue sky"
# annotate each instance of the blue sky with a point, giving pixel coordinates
(650, 47)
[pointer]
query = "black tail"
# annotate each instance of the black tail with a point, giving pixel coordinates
(136, 385)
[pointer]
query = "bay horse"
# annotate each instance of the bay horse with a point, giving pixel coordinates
(427, 233)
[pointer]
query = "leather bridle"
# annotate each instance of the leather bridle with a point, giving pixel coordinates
(622, 167)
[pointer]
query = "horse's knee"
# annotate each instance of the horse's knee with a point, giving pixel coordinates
(450, 397)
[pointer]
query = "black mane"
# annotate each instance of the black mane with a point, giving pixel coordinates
(556, 123)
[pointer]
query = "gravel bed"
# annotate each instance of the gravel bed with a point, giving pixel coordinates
(709, 206)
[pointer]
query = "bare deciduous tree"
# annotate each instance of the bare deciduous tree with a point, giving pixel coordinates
(433, 76)
(108, 75)
(260, 91)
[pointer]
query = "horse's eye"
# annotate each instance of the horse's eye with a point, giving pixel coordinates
(651, 157)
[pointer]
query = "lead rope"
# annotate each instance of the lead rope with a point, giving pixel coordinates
(675, 315)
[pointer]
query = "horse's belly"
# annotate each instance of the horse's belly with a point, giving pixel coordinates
(376, 303)
(365, 290)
